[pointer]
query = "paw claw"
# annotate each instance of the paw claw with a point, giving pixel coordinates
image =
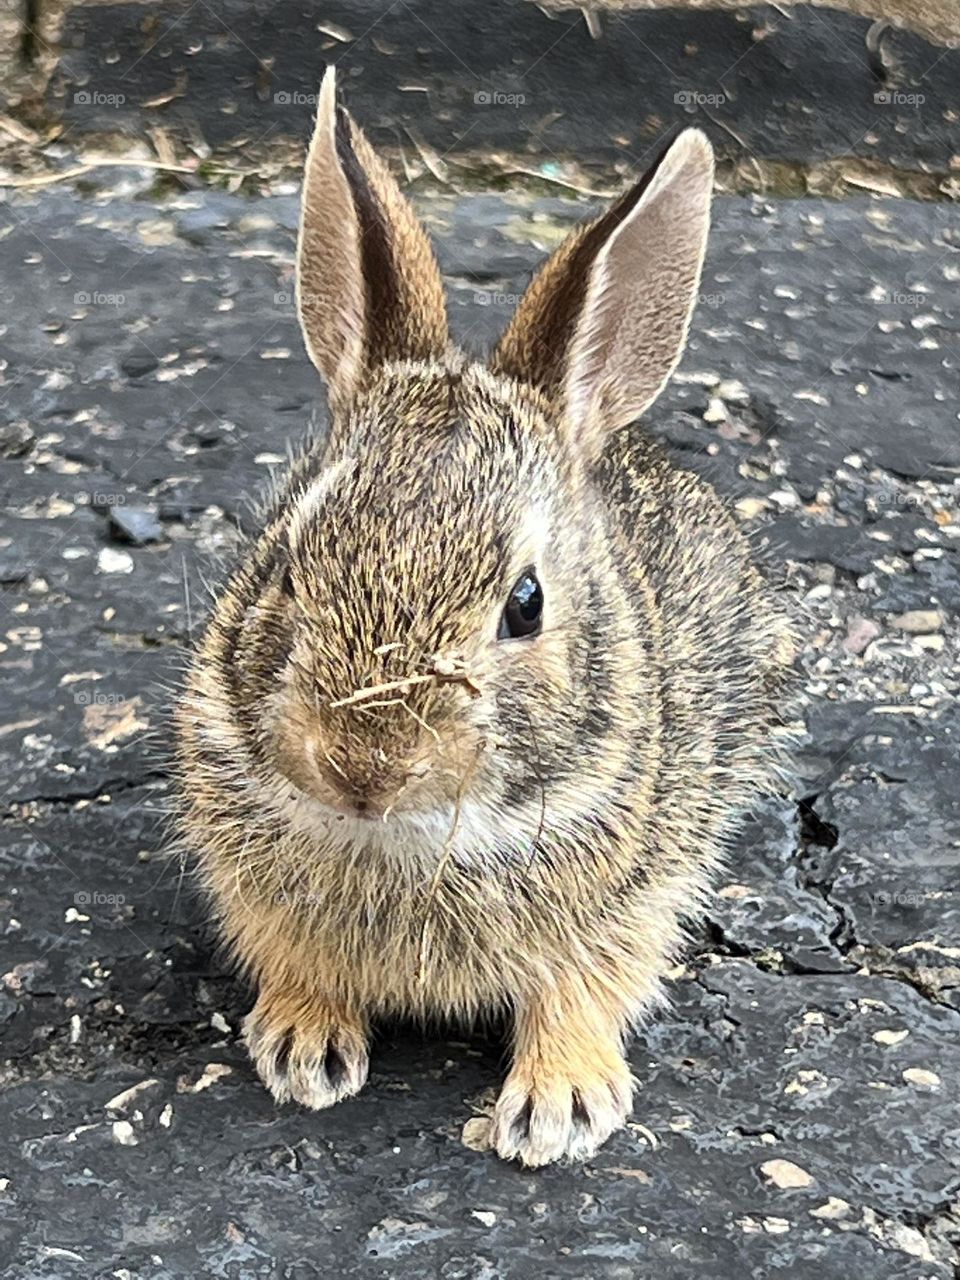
(285, 1048)
(334, 1065)
(540, 1121)
(316, 1063)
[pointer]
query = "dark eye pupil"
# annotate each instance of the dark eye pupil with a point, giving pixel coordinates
(523, 615)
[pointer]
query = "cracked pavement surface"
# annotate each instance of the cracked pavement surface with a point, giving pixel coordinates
(797, 1106)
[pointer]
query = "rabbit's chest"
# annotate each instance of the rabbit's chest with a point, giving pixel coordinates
(407, 941)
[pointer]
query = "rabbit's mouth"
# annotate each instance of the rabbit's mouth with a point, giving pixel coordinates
(422, 827)
(419, 830)
(337, 797)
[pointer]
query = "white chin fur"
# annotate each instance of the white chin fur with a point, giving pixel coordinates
(481, 836)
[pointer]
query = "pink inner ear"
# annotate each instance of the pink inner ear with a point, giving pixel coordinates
(640, 294)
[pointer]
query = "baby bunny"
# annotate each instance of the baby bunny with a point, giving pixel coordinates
(477, 708)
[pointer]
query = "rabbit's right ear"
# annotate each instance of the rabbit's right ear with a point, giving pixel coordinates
(368, 286)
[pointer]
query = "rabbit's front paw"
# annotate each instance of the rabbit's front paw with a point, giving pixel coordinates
(543, 1116)
(306, 1050)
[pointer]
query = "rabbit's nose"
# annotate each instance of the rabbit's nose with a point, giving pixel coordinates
(353, 793)
(359, 806)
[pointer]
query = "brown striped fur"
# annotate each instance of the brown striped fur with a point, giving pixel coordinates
(519, 824)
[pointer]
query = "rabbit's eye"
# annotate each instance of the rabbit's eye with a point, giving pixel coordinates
(286, 584)
(523, 615)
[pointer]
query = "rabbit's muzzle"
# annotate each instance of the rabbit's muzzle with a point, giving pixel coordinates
(369, 762)
(364, 785)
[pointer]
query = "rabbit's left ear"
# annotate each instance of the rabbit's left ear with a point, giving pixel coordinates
(603, 325)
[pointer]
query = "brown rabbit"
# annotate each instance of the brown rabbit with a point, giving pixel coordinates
(474, 714)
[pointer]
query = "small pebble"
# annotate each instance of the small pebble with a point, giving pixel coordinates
(921, 1078)
(918, 621)
(138, 525)
(785, 1174)
(886, 1036)
(716, 410)
(932, 643)
(733, 391)
(833, 1207)
(776, 1226)
(860, 631)
(751, 507)
(212, 1072)
(123, 1133)
(110, 561)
